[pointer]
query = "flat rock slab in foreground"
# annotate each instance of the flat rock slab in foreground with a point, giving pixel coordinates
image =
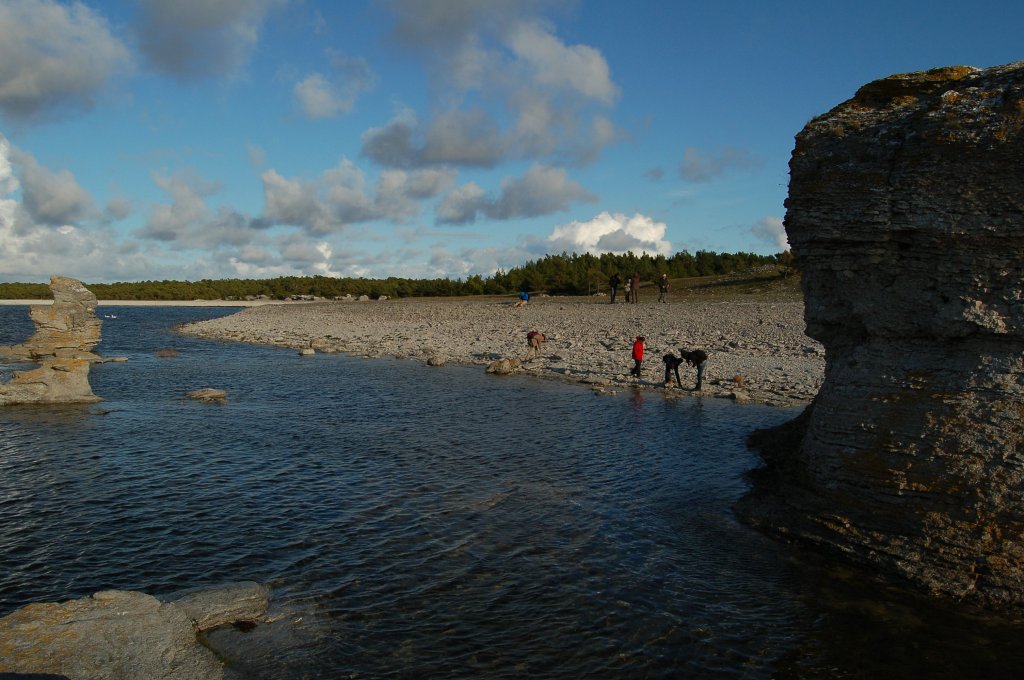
(906, 218)
(123, 635)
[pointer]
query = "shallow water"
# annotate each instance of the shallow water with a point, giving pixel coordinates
(439, 522)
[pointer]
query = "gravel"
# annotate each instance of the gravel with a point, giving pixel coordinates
(757, 351)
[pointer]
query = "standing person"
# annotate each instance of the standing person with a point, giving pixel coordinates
(634, 287)
(663, 288)
(534, 341)
(614, 283)
(638, 355)
(698, 358)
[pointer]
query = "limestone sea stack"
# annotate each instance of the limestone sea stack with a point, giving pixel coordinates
(65, 334)
(906, 218)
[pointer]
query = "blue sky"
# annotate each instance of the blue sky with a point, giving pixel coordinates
(189, 139)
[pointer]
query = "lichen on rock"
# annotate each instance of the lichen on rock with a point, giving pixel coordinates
(906, 218)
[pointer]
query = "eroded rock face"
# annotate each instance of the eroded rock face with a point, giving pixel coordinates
(906, 217)
(66, 333)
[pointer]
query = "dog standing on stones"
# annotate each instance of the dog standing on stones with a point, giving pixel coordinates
(534, 342)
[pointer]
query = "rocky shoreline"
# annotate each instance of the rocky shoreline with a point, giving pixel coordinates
(758, 351)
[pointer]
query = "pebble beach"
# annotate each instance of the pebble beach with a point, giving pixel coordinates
(758, 351)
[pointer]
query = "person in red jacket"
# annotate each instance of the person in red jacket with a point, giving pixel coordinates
(638, 355)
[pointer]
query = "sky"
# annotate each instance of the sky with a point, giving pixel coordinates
(194, 139)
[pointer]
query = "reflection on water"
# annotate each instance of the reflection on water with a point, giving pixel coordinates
(423, 522)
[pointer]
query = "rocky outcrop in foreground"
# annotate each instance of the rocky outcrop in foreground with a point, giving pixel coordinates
(66, 333)
(124, 635)
(906, 217)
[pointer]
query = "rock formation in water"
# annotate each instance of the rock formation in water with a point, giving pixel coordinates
(65, 335)
(125, 634)
(906, 217)
(208, 395)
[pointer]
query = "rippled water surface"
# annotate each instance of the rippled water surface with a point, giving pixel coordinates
(438, 522)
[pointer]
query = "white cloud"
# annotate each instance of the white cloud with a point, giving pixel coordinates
(118, 208)
(698, 166)
(52, 198)
(8, 182)
(319, 99)
(54, 57)
(771, 230)
(328, 96)
(504, 86)
(485, 261)
(463, 138)
(195, 39)
(542, 190)
(462, 205)
(611, 233)
(577, 68)
(340, 197)
(290, 201)
(178, 220)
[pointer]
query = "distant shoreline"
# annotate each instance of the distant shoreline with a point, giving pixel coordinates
(169, 303)
(758, 350)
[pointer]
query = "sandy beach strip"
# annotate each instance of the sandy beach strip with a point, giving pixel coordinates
(757, 351)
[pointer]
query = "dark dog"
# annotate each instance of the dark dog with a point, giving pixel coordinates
(672, 364)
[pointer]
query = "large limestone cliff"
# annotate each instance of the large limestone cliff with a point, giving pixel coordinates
(906, 216)
(66, 333)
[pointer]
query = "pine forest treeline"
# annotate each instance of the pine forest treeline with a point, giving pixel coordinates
(553, 274)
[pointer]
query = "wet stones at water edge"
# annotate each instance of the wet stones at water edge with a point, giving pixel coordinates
(905, 218)
(62, 345)
(503, 366)
(126, 634)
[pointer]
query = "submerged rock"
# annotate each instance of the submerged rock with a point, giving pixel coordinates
(906, 218)
(65, 334)
(208, 394)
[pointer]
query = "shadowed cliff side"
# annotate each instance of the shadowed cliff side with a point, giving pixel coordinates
(906, 216)
(66, 333)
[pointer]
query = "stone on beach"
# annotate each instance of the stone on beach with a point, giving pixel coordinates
(503, 366)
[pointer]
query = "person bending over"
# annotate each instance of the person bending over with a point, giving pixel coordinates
(672, 364)
(698, 358)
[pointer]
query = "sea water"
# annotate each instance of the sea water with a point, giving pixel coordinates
(416, 521)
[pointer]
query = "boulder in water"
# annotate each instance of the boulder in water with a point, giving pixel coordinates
(65, 334)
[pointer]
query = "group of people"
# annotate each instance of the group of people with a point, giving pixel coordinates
(697, 358)
(633, 287)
